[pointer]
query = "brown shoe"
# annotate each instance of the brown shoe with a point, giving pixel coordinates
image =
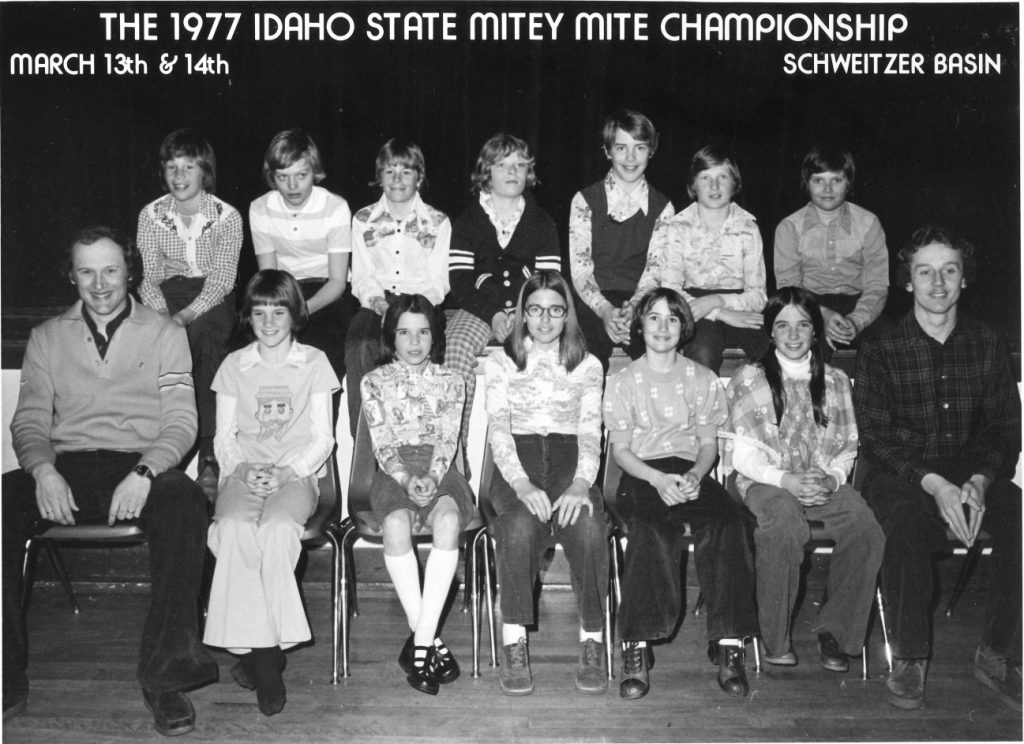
(906, 683)
(636, 680)
(591, 672)
(515, 677)
(1000, 674)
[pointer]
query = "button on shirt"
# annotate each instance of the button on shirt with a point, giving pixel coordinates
(407, 256)
(846, 256)
(301, 237)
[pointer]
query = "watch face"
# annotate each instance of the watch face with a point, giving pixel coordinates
(144, 471)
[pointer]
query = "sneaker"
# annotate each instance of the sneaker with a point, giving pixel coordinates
(832, 658)
(515, 677)
(636, 681)
(906, 683)
(591, 673)
(1000, 674)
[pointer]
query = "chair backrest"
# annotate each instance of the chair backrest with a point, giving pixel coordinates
(364, 465)
(328, 507)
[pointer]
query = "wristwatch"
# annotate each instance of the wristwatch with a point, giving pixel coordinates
(144, 471)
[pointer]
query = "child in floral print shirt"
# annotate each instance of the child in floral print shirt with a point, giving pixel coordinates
(413, 408)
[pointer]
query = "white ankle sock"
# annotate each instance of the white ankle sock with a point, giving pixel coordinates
(586, 635)
(512, 633)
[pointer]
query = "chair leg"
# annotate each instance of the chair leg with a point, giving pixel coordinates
(970, 561)
(473, 583)
(28, 563)
(613, 542)
(757, 653)
(62, 574)
(864, 662)
(489, 593)
(335, 603)
(885, 629)
(345, 571)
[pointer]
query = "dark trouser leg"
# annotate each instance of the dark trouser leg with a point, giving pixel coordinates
(594, 332)
(725, 565)
(652, 582)
(208, 338)
(908, 517)
(171, 656)
(585, 542)
(327, 329)
(362, 348)
(1002, 520)
(21, 521)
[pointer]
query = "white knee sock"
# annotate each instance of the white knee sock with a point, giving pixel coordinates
(404, 571)
(437, 582)
(512, 633)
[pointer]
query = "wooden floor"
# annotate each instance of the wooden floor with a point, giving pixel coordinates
(83, 688)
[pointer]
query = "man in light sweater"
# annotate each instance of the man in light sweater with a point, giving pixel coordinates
(105, 413)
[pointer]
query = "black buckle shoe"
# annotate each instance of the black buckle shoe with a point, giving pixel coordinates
(636, 681)
(405, 658)
(442, 664)
(421, 677)
(173, 714)
(732, 673)
(832, 658)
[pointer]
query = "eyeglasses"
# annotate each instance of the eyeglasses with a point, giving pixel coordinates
(553, 311)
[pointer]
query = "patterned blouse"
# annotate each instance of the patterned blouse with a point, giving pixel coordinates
(543, 399)
(685, 254)
(664, 414)
(763, 450)
(208, 247)
(407, 405)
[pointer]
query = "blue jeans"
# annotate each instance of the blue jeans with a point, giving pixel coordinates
(652, 591)
(171, 656)
(914, 531)
(550, 463)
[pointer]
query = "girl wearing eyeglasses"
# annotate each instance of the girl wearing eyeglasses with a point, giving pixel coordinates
(544, 428)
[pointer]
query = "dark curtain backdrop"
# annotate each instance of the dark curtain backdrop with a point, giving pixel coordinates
(929, 148)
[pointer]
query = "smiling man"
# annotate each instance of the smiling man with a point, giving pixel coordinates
(939, 418)
(105, 413)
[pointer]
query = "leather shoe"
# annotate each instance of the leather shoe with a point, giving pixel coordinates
(421, 678)
(591, 670)
(732, 674)
(173, 714)
(242, 674)
(266, 665)
(995, 671)
(832, 658)
(906, 683)
(405, 658)
(786, 659)
(442, 664)
(515, 676)
(636, 681)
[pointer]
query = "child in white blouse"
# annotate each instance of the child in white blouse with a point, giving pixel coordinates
(413, 408)
(544, 417)
(274, 434)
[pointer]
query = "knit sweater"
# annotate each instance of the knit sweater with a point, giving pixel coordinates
(138, 398)
(486, 278)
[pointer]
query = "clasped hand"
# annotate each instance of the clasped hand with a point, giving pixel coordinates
(569, 505)
(677, 489)
(812, 488)
(264, 479)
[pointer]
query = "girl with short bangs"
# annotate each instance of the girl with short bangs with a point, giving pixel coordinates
(274, 435)
(413, 409)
